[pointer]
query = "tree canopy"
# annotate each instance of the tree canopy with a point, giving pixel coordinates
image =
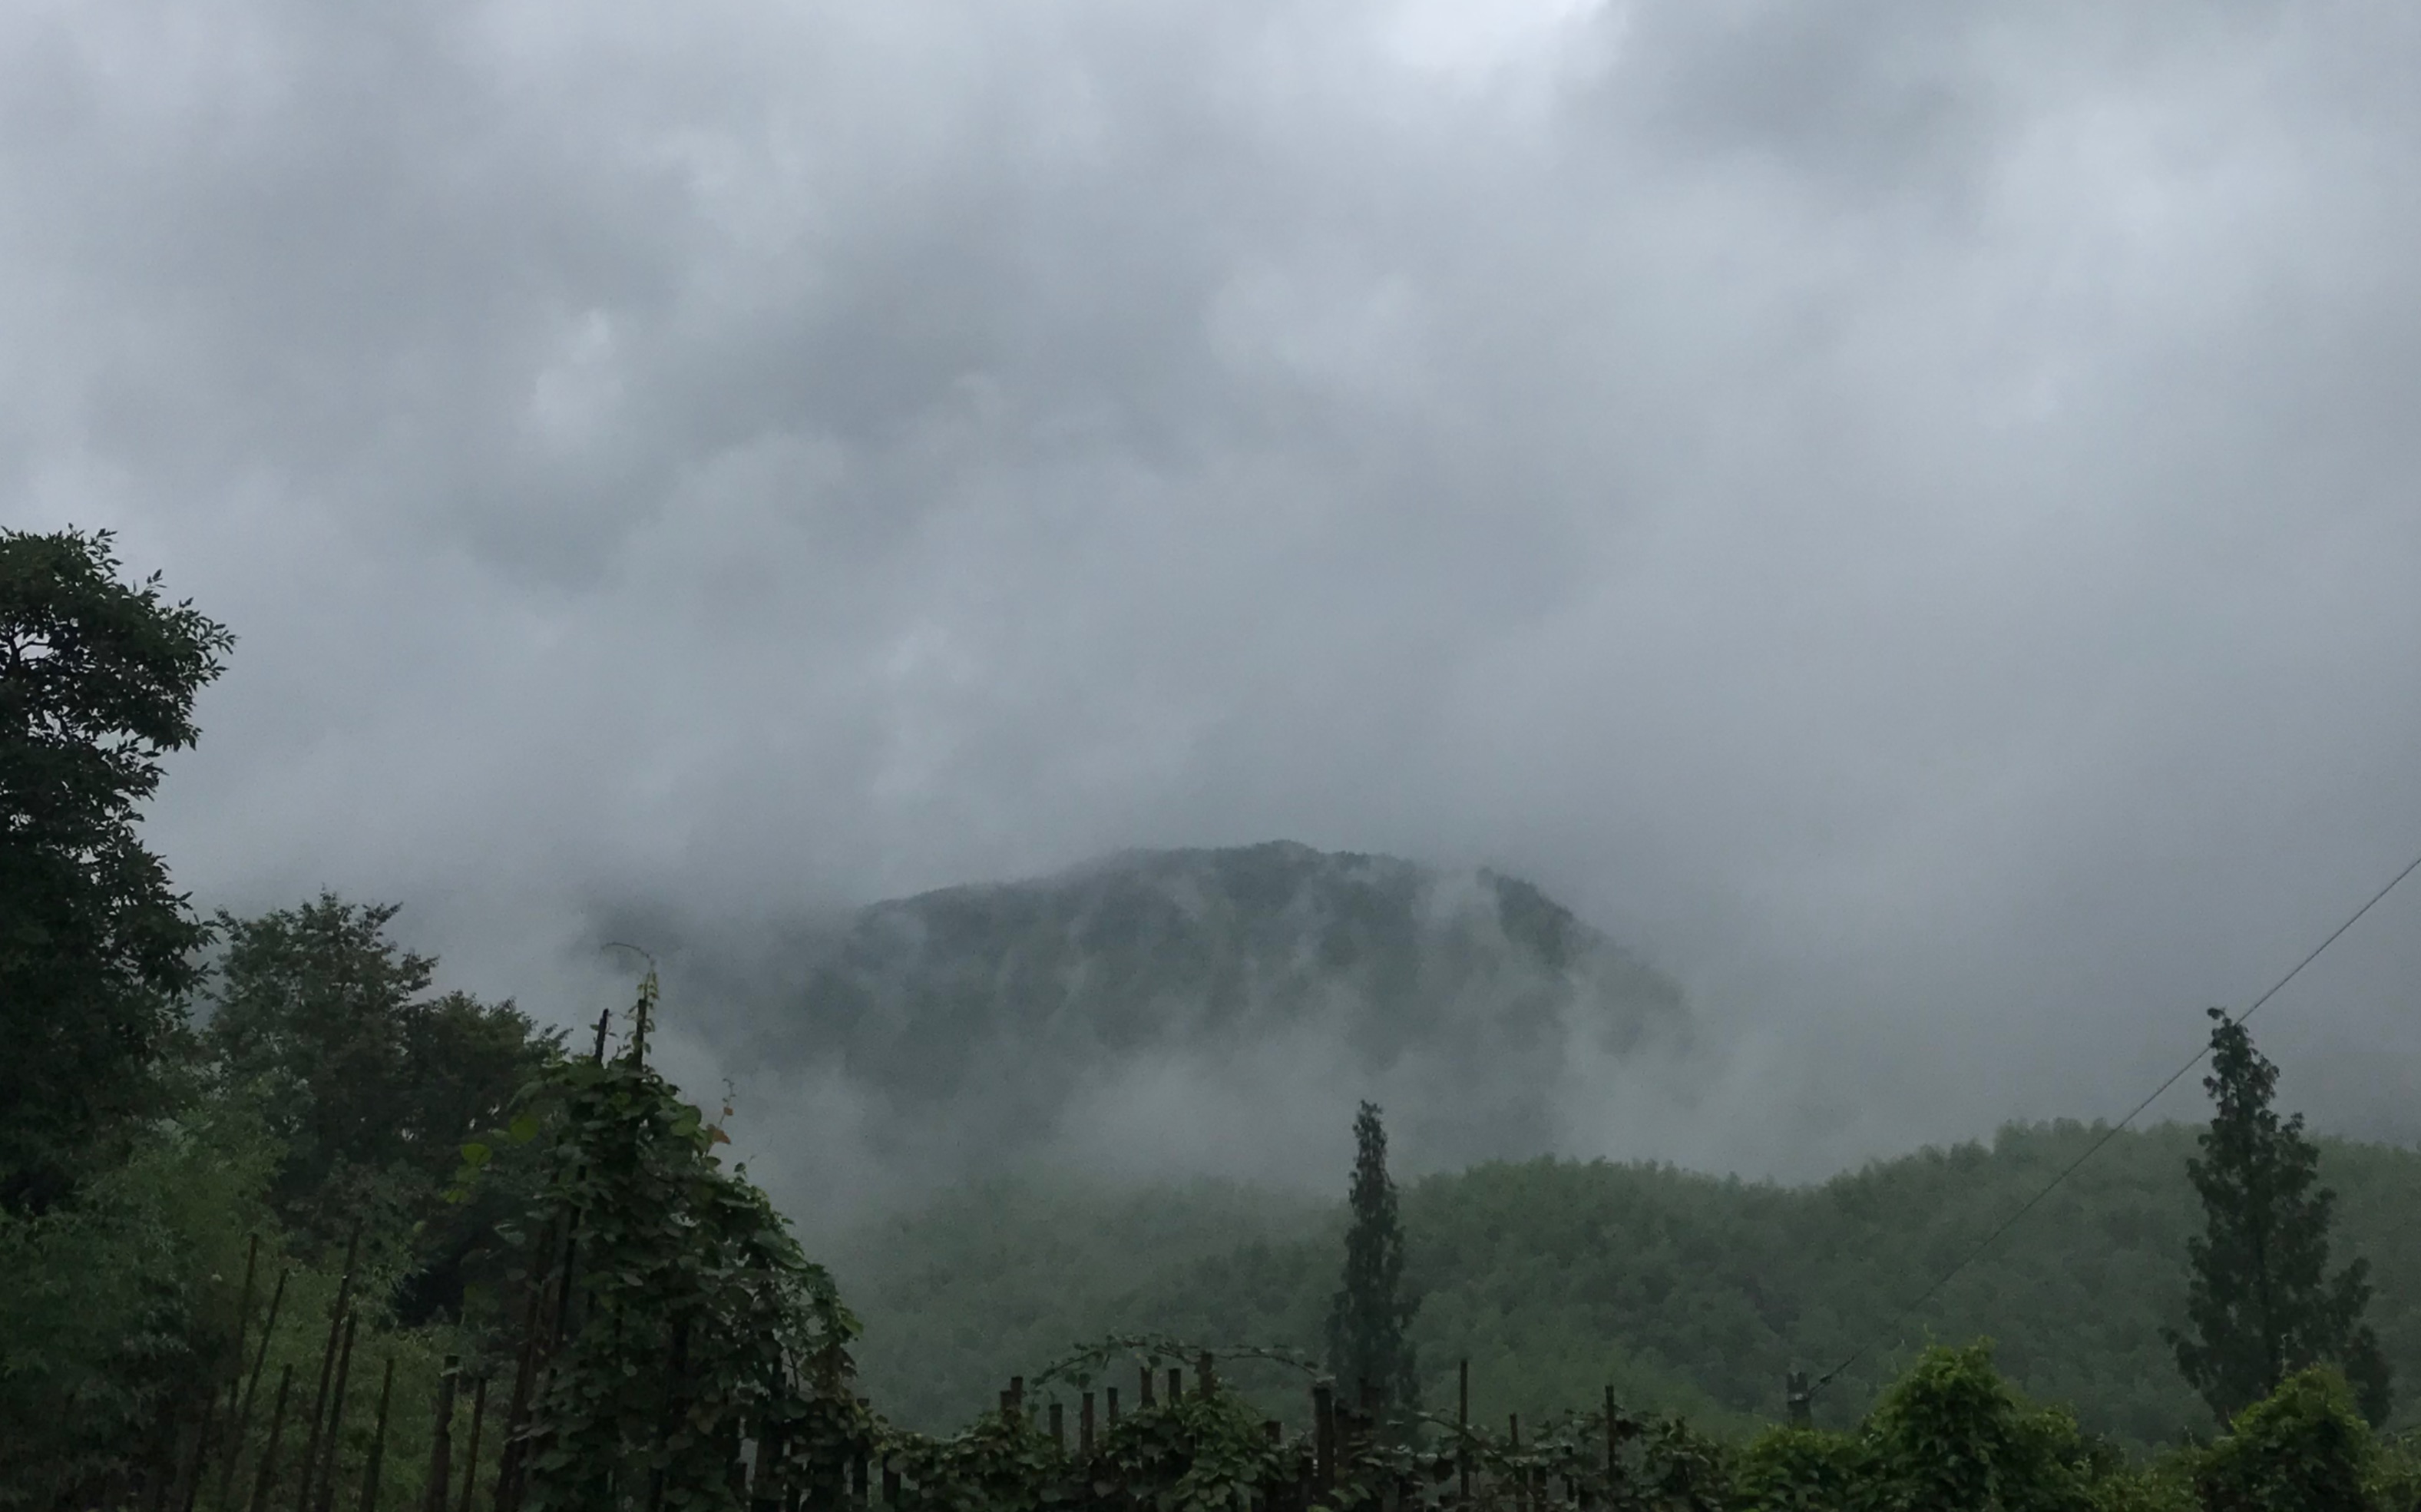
(98, 679)
(1369, 1320)
(2260, 1303)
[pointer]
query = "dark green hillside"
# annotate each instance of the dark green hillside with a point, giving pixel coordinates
(979, 1017)
(1687, 1291)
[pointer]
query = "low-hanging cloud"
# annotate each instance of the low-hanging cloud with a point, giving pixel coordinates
(1902, 513)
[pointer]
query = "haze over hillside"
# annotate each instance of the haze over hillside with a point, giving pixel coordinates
(1191, 1011)
(1687, 1291)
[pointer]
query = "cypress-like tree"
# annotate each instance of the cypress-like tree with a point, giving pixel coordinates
(1370, 1321)
(2261, 1304)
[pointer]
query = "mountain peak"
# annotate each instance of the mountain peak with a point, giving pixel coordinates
(1220, 985)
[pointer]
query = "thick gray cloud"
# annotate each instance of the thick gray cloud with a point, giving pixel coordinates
(1905, 513)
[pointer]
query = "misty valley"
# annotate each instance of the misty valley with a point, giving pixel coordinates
(285, 1224)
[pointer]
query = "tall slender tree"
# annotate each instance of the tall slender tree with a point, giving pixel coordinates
(1369, 1322)
(2261, 1304)
(98, 679)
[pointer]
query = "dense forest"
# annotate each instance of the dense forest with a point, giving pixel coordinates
(1692, 1293)
(237, 1153)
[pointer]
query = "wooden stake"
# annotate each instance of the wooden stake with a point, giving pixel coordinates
(471, 1455)
(509, 1468)
(378, 1444)
(1084, 1429)
(1462, 1431)
(1324, 1430)
(337, 1418)
(235, 1385)
(241, 1428)
(327, 1368)
(276, 1432)
(441, 1441)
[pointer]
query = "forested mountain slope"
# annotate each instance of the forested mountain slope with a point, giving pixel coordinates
(1684, 1290)
(978, 1021)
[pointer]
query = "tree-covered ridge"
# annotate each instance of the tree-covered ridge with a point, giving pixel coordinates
(1690, 1292)
(975, 1014)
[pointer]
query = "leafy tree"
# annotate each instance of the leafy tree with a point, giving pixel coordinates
(1371, 1319)
(114, 1305)
(2261, 1304)
(2302, 1449)
(97, 685)
(372, 1085)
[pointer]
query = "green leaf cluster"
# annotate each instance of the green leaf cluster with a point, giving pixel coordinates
(98, 680)
(697, 1322)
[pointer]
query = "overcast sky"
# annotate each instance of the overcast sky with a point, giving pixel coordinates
(1905, 513)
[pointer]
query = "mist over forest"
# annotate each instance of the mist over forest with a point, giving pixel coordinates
(1739, 616)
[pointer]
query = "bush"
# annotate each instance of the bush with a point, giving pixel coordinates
(2304, 1449)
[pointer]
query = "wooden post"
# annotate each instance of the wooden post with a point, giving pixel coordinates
(1521, 1472)
(235, 1384)
(276, 1432)
(327, 1474)
(1799, 1399)
(471, 1454)
(327, 1368)
(1144, 1402)
(241, 1429)
(1058, 1427)
(378, 1444)
(1324, 1441)
(440, 1441)
(189, 1485)
(1084, 1429)
(1612, 1449)
(1110, 1405)
(1176, 1385)
(1205, 1373)
(517, 1409)
(1462, 1431)
(890, 1483)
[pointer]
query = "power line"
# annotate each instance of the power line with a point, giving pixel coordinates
(2112, 1131)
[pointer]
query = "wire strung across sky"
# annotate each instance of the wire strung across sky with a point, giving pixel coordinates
(2111, 1133)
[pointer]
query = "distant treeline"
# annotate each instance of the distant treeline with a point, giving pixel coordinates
(1692, 1293)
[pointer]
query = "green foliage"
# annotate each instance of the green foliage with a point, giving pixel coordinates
(1800, 1470)
(97, 685)
(371, 1085)
(2261, 1304)
(1691, 1294)
(1951, 1434)
(112, 1303)
(699, 1320)
(2305, 1448)
(1371, 1316)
